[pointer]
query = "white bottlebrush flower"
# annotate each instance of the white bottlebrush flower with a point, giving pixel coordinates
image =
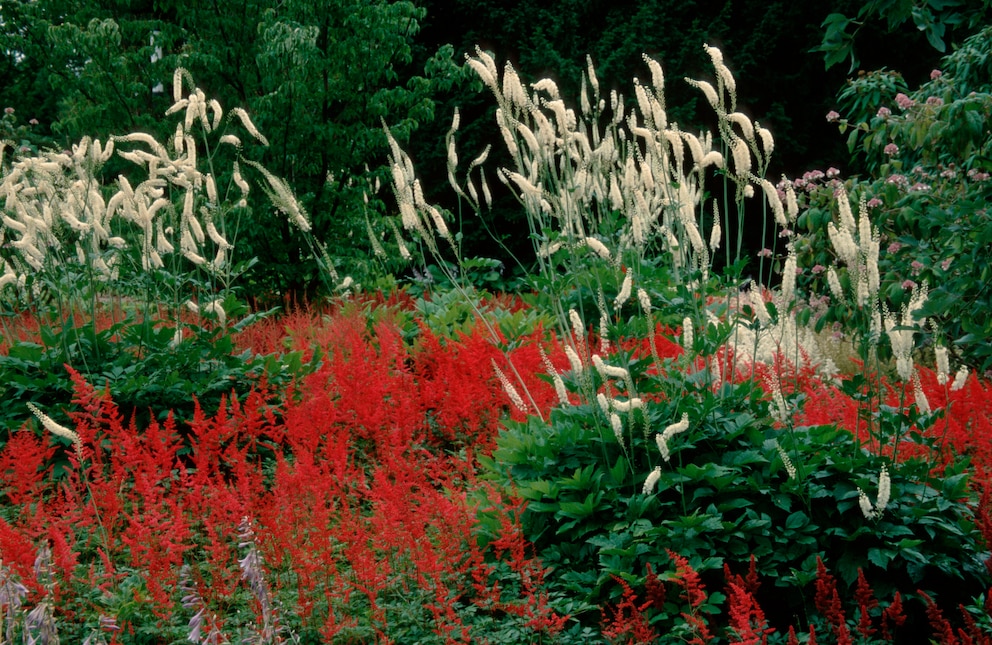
(58, 429)
(865, 504)
(790, 468)
(628, 405)
(652, 480)
(617, 426)
(943, 364)
(960, 378)
(604, 404)
(922, 404)
(510, 390)
(673, 429)
(834, 282)
(884, 493)
(644, 300)
(687, 339)
(625, 288)
(578, 328)
(598, 248)
(574, 360)
(216, 307)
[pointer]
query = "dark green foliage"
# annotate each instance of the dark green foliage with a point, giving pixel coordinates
(725, 496)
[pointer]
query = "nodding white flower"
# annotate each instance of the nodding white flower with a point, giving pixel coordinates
(844, 210)
(510, 390)
(922, 404)
(834, 282)
(644, 300)
(771, 195)
(617, 426)
(687, 338)
(626, 406)
(216, 307)
(578, 328)
(716, 234)
(943, 364)
(884, 493)
(865, 503)
(573, 359)
(960, 379)
(652, 480)
(786, 461)
(673, 429)
(598, 248)
(608, 371)
(604, 404)
(57, 429)
(625, 288)
(767, 141)
(741, 155)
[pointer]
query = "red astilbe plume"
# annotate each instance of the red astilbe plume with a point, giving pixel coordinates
(866, 602)
(943, 632)
(828, 603)
(747, 621)
(693, 591)
(626, 622)
(655, 589)
(892, 617)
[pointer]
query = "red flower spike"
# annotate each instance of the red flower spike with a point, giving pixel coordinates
(655, 589)
(688, 579)
(941, 627)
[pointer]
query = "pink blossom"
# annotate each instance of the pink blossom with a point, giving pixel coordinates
(818, 269)
(33, 121)
(891, 149)
(832, 172)
(785, 232)
(919, 187)
(897, 179)
(946, 264)
(908, 284)
(935, 101)
(904, 101)
(935, 74)
(884, 112)
(765, 253)
(894, 247)
(874, 202)
(916, 267)
(8, 110)
(832, 116)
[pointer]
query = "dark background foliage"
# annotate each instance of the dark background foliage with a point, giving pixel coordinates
(319, 79)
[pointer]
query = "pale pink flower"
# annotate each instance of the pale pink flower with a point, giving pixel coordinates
(884, 112)
(832, 172)
(818, 269)
(891, 149)
(946, 264)
(873, 202)
(904, 101)
(935, 74)
(765, 253)
(935, 101)
(832, 116)
(894, 247)
(908, 284)
(916, 267)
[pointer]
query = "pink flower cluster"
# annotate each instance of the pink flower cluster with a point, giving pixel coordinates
(891, 149)
(904, 101)
(833, 117)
